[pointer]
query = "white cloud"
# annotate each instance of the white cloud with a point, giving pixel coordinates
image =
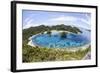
(27, 19)
(86, 21)
(64, 18)
(76, 21)
(29, 25)
(71, 18)
(28, 22)
(67, 20)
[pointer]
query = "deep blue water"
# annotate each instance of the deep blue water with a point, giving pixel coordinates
(55, 41)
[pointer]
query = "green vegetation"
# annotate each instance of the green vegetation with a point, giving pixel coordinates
(37, 54)
(63, 34)
(42, 28)
(49, 32)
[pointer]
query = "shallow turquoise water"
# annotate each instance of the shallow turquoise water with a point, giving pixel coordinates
(55, 41)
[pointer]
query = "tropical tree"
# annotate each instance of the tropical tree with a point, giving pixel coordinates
(49, 32)
(63, 35)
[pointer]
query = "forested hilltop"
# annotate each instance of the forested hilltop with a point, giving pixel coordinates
(42, 28)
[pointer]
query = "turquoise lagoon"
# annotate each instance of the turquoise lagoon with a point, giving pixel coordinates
(55, 41)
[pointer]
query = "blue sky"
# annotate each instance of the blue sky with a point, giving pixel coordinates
(49, 18)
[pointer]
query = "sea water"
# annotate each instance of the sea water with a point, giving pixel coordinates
(55, 40)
